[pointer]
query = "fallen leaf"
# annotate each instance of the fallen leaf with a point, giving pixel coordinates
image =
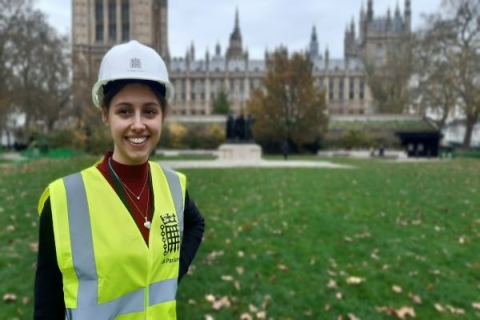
(252, 308)
(210, 298)
(415, 298)
(245, 316)
(351, 316)
(262, 315)
(236, 284)
(192, 302)
(331, 284)
(227, 278)
(308, 313)
(240, 253)
(240, 270)
(266, 300)
(396, 289)
(221, 303)
(209, 317)
(354, 280)
(33, 246)
(10, 228)
(403, 312)
(9, 297)
(476, 305)
(25, 300)
(338, 295)
(282, 267)
(439, 307)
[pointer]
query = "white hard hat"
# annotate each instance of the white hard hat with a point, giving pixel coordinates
(131, 60)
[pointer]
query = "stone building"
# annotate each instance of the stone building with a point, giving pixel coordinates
(98, 24)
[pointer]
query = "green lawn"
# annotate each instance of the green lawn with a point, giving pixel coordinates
(298, 243)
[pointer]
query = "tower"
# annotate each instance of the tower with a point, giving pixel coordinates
(408, 15)
(370, 11)
(160, 27)
(97, 25)
(313, 44)
(235, 51)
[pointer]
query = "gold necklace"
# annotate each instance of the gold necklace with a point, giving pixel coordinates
(127, 189)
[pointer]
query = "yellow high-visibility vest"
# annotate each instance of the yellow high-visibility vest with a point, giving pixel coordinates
(108, 270)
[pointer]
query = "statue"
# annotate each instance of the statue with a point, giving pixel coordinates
(230, 128)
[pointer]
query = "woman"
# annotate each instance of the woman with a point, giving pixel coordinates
(116, 238)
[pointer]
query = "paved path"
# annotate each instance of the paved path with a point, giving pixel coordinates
(192, 164)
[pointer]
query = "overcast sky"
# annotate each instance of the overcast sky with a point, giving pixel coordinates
(263, 23)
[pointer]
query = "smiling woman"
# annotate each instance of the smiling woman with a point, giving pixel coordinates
(88, 270)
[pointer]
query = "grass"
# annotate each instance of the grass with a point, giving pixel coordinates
(291, 241)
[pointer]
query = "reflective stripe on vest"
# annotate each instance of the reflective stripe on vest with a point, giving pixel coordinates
(84, 259)
(176, 192)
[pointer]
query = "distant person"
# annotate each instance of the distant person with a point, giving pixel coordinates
(285, 147)
(381, 151)
(116, 238)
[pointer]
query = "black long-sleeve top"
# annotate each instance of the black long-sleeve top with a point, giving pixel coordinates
(49, 300)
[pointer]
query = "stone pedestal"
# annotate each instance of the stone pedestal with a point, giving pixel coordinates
(231, 151)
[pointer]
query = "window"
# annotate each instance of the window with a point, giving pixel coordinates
(184, 90)
(330, 90)
(351, 93)
(125, 20)
(340, 89)
(112, 20)
(99, 20)
(361, 92)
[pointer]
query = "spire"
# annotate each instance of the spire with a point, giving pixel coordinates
(237, 23)
(218, 49)
(192, 51)
(397, 11)
(370, 10)
(408, 15)
(408, 8)
(235, 49)
(352, 27)
(389, 20)
(314, 33)
(313, 44)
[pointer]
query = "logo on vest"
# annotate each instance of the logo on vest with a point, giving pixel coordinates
(170, 235)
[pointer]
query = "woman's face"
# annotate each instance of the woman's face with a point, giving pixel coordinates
(135, 119)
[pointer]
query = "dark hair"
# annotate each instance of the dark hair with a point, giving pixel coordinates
(113, 87)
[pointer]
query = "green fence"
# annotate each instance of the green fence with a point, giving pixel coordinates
(467, 154)
(57, 153)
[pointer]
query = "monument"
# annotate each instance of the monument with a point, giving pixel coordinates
(240, 144)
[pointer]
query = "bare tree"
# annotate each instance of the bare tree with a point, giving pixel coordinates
(449, 56)
(433, 85)
(39, 67)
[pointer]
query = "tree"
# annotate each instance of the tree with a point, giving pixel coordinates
(291, 107)
(34, 68)
(388, 76)
(433, 89)
(220, 104)
(451, 76)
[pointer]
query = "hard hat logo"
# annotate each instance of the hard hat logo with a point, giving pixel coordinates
(144, 63)
(135, 63)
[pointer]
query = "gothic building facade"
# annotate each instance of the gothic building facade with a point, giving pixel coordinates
(98, 24)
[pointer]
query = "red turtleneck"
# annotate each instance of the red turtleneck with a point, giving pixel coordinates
(134, 178)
